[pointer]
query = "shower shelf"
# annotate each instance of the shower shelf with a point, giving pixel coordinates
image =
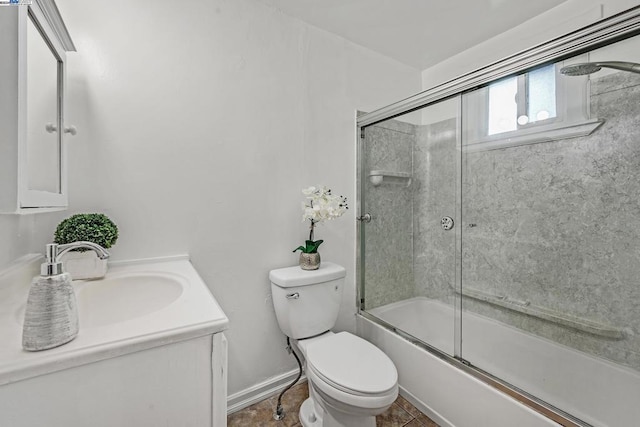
(525, 307)
(379, 177)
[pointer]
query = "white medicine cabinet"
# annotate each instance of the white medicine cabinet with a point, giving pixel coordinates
(33, 132)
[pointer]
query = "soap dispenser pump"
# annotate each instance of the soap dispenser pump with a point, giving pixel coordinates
(51, 314)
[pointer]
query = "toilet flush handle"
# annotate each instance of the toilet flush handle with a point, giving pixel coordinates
(294, 295)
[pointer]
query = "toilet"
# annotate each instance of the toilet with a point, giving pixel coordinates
(350, 380)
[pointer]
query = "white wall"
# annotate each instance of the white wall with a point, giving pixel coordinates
(199, 123)
(16, 234)
(568, 16)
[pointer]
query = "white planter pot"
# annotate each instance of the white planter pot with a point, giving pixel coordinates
(84, 265)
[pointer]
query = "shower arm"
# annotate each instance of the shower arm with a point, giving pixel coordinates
(620, 65)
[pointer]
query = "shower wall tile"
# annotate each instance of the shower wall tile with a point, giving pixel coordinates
(616, 81)
(395, 125)
(388, 237)
(558, 226)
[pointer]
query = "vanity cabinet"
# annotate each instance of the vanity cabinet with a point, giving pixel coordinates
(33, 131)
(180, 384)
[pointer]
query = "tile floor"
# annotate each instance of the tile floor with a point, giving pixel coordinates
(400, 414)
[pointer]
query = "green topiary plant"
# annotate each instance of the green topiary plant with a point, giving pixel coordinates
(92, 227)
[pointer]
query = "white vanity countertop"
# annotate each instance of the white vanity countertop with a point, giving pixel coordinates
(193, 313)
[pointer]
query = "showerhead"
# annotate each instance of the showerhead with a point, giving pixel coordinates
(592, 67)
(580, 69)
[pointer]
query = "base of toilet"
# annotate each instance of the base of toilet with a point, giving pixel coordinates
(312, 414)
(308, 415)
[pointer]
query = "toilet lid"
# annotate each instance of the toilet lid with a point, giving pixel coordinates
(352, 364)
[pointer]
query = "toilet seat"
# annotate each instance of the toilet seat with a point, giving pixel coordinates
(352, 370)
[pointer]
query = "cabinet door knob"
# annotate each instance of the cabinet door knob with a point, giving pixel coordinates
(71, 129)
(51, 128)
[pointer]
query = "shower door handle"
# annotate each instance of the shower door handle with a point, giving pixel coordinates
(365, 218)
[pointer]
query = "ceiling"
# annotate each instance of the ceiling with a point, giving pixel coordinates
(419, 33)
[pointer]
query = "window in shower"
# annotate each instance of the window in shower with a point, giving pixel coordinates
(522, 101)
(541, 99)
(532, 107)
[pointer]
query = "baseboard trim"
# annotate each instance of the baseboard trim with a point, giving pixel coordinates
(261, 391)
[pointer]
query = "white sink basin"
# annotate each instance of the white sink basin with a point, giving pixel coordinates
(121, 297)
(124, 297)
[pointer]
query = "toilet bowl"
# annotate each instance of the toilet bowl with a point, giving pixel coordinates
(350, 380)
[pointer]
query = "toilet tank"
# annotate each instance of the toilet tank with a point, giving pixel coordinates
(307, 302)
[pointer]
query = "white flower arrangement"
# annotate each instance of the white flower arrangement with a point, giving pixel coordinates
(320, 205)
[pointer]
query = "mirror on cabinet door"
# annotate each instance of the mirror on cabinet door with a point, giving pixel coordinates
(33, 133)
(43, 139)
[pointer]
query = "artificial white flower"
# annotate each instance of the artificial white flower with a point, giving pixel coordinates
(320, 205)
(308, 191)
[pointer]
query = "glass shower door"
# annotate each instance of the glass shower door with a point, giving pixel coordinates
(409, 180)
(550, 270)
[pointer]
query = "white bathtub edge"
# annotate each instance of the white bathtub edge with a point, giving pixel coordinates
(453, 397)
(424, 408)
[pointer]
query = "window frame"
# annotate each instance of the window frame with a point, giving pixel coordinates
(572, 113)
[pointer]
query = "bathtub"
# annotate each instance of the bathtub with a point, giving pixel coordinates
(596, 391)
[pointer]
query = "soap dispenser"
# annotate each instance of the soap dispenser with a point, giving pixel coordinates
(51, 315)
